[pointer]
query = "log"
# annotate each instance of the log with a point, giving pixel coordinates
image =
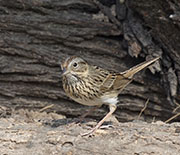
(36, 36)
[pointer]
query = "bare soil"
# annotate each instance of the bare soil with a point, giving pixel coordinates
(31, 132)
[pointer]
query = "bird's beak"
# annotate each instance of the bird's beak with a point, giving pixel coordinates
(64, 72)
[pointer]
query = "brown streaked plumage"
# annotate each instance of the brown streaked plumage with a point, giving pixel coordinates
(93, 86)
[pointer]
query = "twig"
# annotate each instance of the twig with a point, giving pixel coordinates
(47, 107)
(154, 118)
(178, 106)
(143, 109)
(172, 118)
(175, 109)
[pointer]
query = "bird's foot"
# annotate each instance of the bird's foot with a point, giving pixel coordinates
(89, 133)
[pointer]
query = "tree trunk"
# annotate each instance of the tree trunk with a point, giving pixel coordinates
(35, 36)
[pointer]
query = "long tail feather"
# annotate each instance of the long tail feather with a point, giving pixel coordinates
(124, 78)
(121, 80)
(129, 73)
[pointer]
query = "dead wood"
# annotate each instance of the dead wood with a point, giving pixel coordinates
(35, 36)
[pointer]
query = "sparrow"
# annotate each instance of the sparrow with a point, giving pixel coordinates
(91, 85)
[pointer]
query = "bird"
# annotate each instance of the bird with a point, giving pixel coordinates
(94, 86)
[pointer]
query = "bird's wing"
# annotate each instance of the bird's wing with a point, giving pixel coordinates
(108, 82)
(121, 80)
(115, 82)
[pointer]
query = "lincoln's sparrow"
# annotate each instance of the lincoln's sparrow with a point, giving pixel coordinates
(93, 86)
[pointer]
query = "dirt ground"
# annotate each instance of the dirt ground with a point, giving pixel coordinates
(39, 133)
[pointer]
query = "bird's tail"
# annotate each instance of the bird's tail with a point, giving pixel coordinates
(121, 80)
(130, 72)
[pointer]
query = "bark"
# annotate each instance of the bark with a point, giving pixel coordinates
(35, 36)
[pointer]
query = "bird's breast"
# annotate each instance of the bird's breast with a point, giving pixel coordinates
(83, 92)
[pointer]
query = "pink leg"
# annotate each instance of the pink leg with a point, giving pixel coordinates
(81, 118)
(112, 108)
(88, 113)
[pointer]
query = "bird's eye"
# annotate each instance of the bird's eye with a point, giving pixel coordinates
(75, 64)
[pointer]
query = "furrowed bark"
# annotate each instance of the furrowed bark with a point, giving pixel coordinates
(35, 36)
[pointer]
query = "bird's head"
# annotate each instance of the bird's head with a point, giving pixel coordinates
(74, 68)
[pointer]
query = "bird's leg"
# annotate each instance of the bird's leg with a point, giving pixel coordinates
(112, 108)
(81, 118)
